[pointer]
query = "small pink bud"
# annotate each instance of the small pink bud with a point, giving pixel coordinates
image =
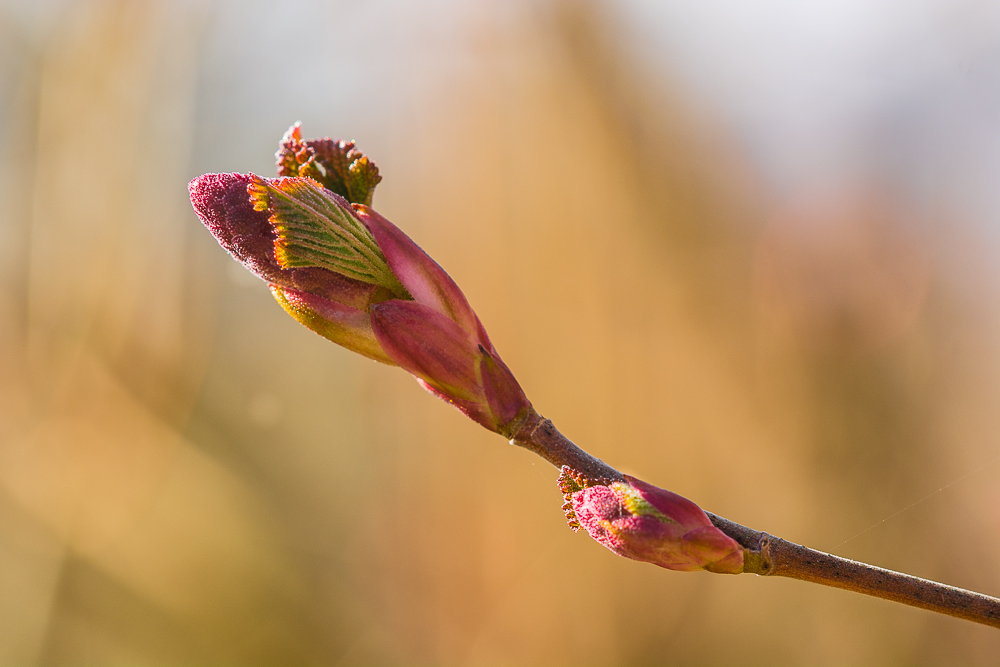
(644, 522)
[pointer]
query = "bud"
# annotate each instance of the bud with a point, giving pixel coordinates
(353, 277)
(643, 522)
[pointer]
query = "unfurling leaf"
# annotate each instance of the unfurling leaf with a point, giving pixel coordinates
(337, 165)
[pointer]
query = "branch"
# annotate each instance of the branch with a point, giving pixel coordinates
(767, 555)
(352, 276)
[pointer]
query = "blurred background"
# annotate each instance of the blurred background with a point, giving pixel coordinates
(749, 252)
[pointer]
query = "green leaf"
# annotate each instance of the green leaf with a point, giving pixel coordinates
(314, 229)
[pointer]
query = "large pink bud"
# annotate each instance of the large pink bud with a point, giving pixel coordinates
(352, 276)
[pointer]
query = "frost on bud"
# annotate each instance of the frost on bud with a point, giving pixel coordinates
(644, 522)
(350, 275)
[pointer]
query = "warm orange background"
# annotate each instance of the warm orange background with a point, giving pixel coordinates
(187, 476)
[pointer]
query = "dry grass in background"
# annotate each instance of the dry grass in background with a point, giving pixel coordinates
(187, 476)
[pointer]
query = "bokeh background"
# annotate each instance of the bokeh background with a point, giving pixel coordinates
(747, 251)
